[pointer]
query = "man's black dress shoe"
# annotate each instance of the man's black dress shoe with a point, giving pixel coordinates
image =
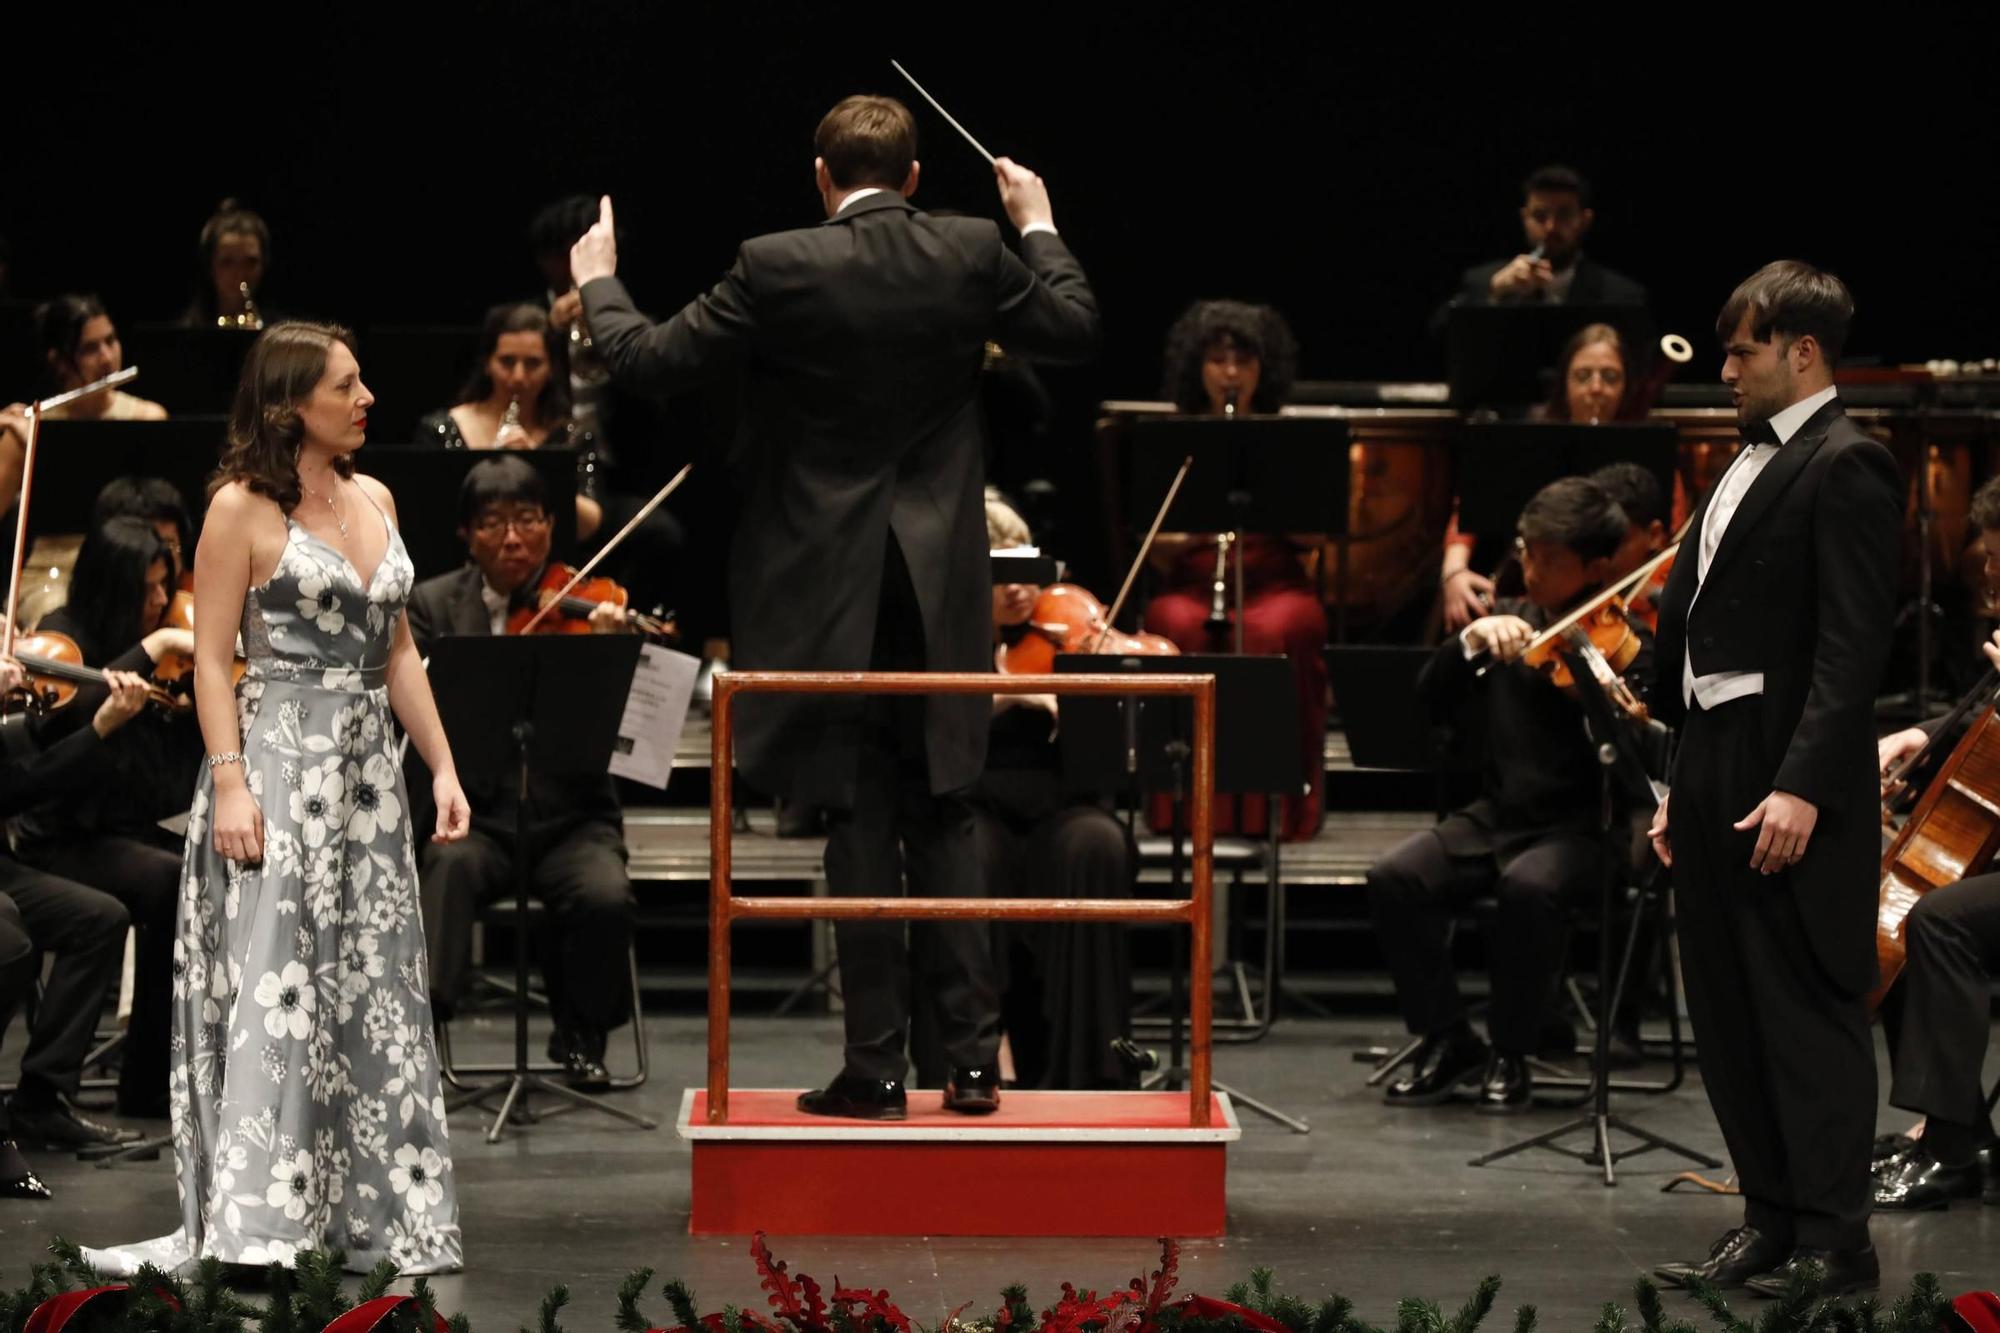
(855, 1098)
(973, 1090)
(1887, 1148)
(1445, 1062)
(1916, 1182)
(1846, 1272)
(581, 1054)
(1739, 1256)
(17, 1179)
(60, 1128)
(1507, 1086)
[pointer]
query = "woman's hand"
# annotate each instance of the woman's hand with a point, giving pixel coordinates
(239, 824)
(1663, 846)
(168, 640)
(1468, 595)
(122, 704)
(454, 816)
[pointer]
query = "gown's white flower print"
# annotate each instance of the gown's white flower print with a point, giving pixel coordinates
(418, 1176)
(376, 807)
(294, 1187)
(319, 603)
(319, 804)
(288, 1001)
(307, 1106)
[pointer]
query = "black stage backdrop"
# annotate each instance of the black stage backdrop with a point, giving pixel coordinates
(1342, 170)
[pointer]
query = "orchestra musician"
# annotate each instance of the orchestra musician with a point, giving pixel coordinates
(1533, 837)
(1773, 635)
(235, 256)
(1557, 213)
(108, 835)
(861, 542)
(80, 928)
(1065, 987)
(1939, 1013)
(517, 397)
(576, 829)
(80, 346)
(1224, 357)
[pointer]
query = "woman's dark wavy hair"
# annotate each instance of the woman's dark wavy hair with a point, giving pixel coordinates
(229, 219)
(107, 589)
(521, 317)
(1257, 329)
(265, 429)
(1590, 335)
(60, 323)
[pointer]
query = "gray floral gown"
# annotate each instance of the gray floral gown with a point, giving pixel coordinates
(307, 1108)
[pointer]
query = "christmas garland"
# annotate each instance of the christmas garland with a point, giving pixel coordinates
(66, 1295)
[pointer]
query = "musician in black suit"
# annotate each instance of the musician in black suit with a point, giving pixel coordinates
(862, 541)
(1534, 837)
(1556, 215)
(1774, 628)
(576, 829)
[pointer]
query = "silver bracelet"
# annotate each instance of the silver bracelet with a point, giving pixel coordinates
(218, 760)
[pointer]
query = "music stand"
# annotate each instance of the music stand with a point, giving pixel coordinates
(410, 370)
(1136, 745)
(1259, 474)
(1621, 769)
(426, 481)
(1497, 352)
(561, 697)
(1499, 466)
(75, 458)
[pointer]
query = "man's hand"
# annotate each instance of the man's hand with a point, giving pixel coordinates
(1663, 846)
(1992, 649)
(1468, 595)
(1022, 194)
(566, 309)
(1523, 276)
(1503, 636)
(595, 254)
(1893, 750)
(1786, 823)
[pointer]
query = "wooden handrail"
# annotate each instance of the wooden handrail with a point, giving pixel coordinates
(725, 909)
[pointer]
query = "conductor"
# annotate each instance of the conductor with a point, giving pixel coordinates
(862, 541)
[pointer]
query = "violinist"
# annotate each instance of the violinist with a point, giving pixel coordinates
(1773, 636)
(1938, 1015)
(1225, 357)
(82, 929)
(1532, 837)
(576, 830)
(1065, 989)
(157, 501)
(108, 835)
(517, 397)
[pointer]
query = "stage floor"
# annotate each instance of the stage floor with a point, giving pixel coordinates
(1373, 1203)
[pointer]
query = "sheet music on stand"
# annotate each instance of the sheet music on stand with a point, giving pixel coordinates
(655, 715)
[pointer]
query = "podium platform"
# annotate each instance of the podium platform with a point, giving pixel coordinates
(1044, 1164)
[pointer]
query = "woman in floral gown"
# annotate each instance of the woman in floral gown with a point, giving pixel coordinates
(307, 1108)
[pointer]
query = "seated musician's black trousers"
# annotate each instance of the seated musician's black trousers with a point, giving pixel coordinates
(1953, 936)
(84, 930)
(579, 876)
(1424, 883)
(1787, 1058)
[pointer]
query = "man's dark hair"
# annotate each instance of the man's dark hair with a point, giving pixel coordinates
(1790, 300)
(867, 140)
(1634, 489)
(556, 228)
(503, 480)
(1557, 179)
(154, 499)
(1575, 512)
(1985, 511)
(1256, 330)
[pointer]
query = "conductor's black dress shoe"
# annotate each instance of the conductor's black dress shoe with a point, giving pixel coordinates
(854, 1098)
(973, 1090)
(1916, 1182)
(1846, 1272)
(1445, 1062)
(1739, 1256)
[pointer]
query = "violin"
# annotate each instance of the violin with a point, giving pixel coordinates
(562, 604)
(1604, 642)
(55, 668)
(175, 671)
(1068, 619)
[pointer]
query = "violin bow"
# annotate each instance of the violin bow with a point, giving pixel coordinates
(659, 498)
(1983, 689)
(35, 411)
(1118, 603)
